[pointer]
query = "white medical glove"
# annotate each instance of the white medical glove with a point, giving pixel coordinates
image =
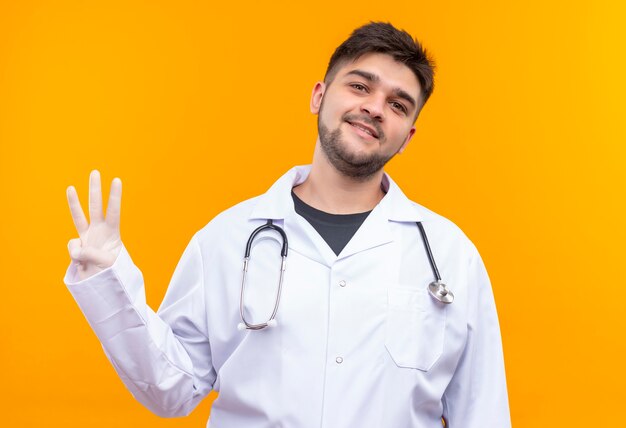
(99, 242)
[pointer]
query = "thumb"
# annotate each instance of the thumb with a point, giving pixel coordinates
(74, 248)
(97, 257)
(90, 255)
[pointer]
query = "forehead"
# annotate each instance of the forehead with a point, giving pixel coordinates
(390, 72)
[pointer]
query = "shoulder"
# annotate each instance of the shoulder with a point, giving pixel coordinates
(224, 237)
(445, 230)
(438, 228)
(228, 220)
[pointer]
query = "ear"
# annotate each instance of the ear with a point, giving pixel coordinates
(408, 138)
(316, 97)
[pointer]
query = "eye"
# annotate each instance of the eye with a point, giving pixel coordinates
(359, 87)
(398, 106)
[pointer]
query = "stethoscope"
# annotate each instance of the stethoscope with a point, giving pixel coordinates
(437, 289)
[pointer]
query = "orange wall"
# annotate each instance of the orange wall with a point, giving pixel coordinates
(198, 105)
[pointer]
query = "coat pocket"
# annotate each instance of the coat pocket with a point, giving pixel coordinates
(416, 325)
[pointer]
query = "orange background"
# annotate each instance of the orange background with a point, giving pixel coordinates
(199, 105)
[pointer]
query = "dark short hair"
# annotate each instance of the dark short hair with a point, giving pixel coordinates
(381, 37)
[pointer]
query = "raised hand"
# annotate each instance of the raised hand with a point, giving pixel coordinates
(99, 242)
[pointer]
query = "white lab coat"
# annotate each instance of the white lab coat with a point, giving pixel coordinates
(358, 343)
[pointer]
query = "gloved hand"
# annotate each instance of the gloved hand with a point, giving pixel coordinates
(99, 242)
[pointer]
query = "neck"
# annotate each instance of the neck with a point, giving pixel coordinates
(330, 191)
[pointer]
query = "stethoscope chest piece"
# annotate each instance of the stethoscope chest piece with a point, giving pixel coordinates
(439, 291)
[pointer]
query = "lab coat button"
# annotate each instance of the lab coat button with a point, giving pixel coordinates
(339, 360)
(342, 283)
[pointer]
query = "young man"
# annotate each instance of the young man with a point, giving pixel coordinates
(352, 327)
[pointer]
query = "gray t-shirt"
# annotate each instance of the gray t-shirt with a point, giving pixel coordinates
(336, 229)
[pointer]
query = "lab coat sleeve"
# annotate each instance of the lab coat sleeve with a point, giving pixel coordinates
(165, 361)
(477, 395)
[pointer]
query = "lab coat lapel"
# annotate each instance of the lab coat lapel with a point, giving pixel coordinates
(277, 204)
(305, 240)
(374, 231)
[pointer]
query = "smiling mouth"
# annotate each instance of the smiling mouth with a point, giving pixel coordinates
(364, 128)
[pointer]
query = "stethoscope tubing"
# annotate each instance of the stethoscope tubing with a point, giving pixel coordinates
(437, 288)
(429, 252)
(283, 252)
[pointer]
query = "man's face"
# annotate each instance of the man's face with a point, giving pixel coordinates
(366, 114)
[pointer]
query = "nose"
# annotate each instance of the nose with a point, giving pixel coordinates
(374, 107)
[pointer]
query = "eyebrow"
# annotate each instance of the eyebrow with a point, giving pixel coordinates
(373, 78)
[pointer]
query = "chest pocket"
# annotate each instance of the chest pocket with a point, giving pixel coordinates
(416, 325)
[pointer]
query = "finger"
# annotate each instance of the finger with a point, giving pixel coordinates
(74, 248)
(115, 204)
(95, 197)
(78, 216)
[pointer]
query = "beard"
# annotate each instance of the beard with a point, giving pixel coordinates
(356, 166)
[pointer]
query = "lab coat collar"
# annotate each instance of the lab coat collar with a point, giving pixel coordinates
(277, 202)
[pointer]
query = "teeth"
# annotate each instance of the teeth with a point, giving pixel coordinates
(363, 129)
